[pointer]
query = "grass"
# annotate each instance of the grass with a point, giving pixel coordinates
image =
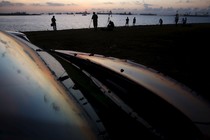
(180, 52)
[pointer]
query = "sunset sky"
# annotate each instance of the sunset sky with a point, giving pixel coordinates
(134, 6)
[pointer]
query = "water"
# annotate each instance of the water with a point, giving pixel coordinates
(42, 22)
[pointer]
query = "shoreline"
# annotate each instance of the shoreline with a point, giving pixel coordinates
(179, 52)
(120, 27)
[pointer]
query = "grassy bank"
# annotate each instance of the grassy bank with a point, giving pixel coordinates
(178, 51)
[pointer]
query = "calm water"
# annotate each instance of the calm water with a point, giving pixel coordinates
(42, 22)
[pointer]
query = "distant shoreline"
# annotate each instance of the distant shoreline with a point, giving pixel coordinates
(123, 27)
(78, 21)
(81, 13)
(18, 14)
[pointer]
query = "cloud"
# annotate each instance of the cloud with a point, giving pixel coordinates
(137, 3)
(55, 4)
(8, 3)
(119, 9)
(72, 4)
(172, 11)
(97, 9)
(108, 3)
(36, 4)
(185, 1)
(147, 6)
(124, 3)
(188, 1)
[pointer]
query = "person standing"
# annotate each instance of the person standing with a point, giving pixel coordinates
(176, 18)
(127, 22)
(134, 21)
(184, 20)
(95, 20)
(53, 24)
(110, 13)
(161, 21)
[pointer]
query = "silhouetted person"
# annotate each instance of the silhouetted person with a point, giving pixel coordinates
(108, 20)
(127, 21)
(110, 13)
(53, 24)
(176, 18)
(95, 20)
(110, 26)
(134, 21)
(184, 21)
(161, 21)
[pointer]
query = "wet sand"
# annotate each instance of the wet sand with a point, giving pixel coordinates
(180, 52)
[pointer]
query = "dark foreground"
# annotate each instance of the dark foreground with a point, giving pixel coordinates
(96, 97)
(180, 52)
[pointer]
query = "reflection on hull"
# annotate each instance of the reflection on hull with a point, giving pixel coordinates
(33, 104)
(161, 104)
(39, 99)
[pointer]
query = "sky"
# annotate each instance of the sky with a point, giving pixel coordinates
(116, 6)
